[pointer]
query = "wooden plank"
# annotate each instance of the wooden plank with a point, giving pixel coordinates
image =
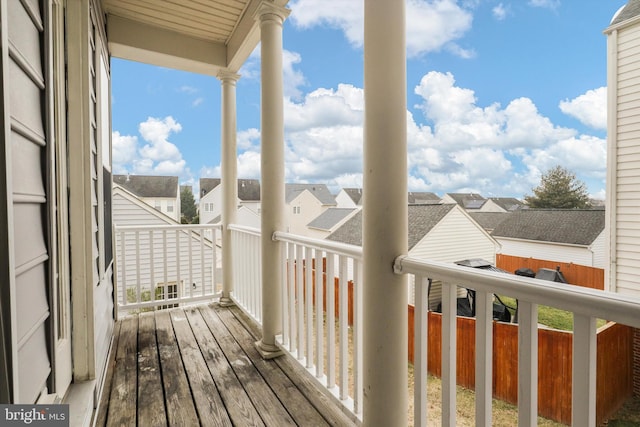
(329, 409)
(103, 406)
(211, 410)
(180, 407)
(123, 389)
(151, 409)
(235, 398)
(267, 404)
(301, 409)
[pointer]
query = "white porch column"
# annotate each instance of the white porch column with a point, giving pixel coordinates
(229, 182)
(272, 172)
(385, 213)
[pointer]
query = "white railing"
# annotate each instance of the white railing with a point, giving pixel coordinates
(247, 287)
(162, 266)
(312, 271)
(587, 305)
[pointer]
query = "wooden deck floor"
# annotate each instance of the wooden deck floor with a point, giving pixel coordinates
(198, 366)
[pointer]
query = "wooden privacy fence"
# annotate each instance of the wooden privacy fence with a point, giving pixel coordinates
(614, 364)
(579, 275)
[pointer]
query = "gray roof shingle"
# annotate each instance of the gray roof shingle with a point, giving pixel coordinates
(508, 203)
(570, 226)
(489, 220)
(422, 218)
(248, 189)
(320, 191)
(329, 218)
(423, 198)
(468, 200)
(355, 194)
(630, 10)
(148, 185)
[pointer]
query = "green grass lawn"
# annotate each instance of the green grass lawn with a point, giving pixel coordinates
(551, 317)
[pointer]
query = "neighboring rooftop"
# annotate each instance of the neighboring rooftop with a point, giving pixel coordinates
(423, 198)
(630, 10)
(149, 185)
(422, 218)
(489, 220)
(569, 226)
(248, 189)
(468, 200)
(509, 204)
(330, 218)
(355, 194)
(320, 191)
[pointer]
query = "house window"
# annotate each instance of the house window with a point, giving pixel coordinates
(296, 209)
(169, 206)
(165, 291)
(157, 205)
(206, 207)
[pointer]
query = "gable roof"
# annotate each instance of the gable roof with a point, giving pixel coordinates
(148, 185)
(489, 220)
(630, 10)
(120, 191)
(355, 194)
(569, 226)
(330, 218)
(208, 184)
(508, 203)
(422, 219)
(320, 191)
(423, 198)
(468, 200)
(248, 189)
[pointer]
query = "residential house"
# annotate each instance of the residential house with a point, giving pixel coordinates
(623, 165)
(506, 204)
(160, 192)
(442, 232)
(57, 307)
(304, 203)
(559, 235)
(248, 196)
(349, 198)
(423, 198)
(329, 221)
(468, 201)
(134, 259)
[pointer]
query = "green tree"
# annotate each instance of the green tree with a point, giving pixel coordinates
(559, 189)
(187, 206)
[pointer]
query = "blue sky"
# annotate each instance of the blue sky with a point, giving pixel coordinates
(498, 92)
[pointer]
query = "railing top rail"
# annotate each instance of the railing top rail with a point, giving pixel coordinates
(620, 308)
(326, 245)
(244, 229)
(165, 227)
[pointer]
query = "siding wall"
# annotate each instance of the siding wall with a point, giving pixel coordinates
(624, 152)
(546, 251)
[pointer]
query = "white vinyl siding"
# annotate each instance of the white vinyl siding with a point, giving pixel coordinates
(455, 238)
(581, 255)
(624, 78)
(29, 146)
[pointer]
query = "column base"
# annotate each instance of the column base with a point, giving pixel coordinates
(268, 351)
(226, 302)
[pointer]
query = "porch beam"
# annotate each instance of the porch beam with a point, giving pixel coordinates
(385, 213)
(229, 179)
(271, 18)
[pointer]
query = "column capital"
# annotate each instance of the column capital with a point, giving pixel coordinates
(227, 76)
(268, 10)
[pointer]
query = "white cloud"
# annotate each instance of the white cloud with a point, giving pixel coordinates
(188, 89)
(157, 157)
(447, 22)
(196, 102)
(455, 145)
(124, 149)
(292, 78)
(499, 12)
(549, 4)
(590, 108)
